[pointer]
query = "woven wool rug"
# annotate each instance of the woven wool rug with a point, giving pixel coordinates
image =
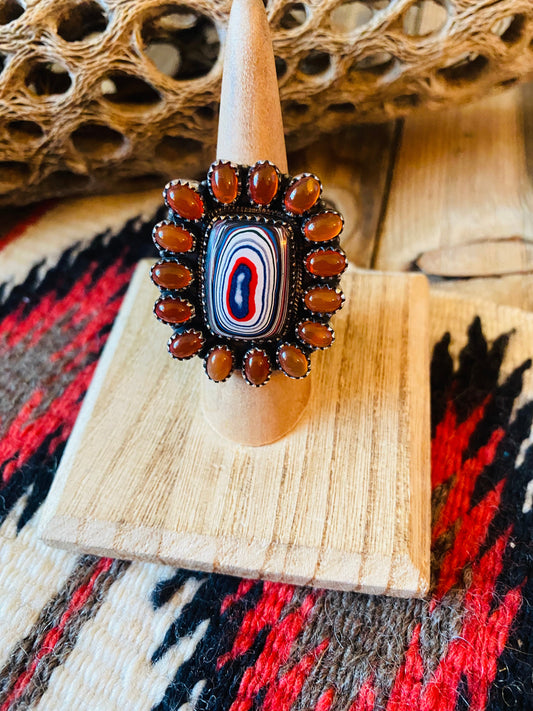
(81, 632)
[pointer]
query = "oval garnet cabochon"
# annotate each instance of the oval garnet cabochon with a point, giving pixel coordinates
(219, 363)
(317, 335)
(323, 300)
(302, 194)
(323, 227)
(185, 201)
(173, 237)
(171, 275)
(224, 182)
(263, 183)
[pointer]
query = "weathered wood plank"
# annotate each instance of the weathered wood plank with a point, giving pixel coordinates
(462, 177)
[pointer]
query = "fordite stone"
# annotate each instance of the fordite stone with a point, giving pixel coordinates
(185, 201)
(246, 278)
(317, 335)
(293, 361)
(173, 311)
(224, 182)
(323, 300)
(173, 237)
(302, 194)
(256, 367)
(263, 183)
(325, 263)
(323, 227)
(219, 363)
(171, 275)
(185, 345)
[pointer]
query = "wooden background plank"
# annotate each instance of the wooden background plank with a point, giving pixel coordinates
(463, 176)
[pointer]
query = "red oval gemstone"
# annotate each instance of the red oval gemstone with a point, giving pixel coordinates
(224, 182)
(173, 310)
(173, 237)
(293, 361)
(219, 364)
(325, 263)
(263, 183)
(323, 300)
(170, 275)
(256, 367)
(185, 345)
(315, 334)
(185, 201)
(323, 227)
(302, 194)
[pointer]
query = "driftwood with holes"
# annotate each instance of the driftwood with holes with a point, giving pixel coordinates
(120, 95)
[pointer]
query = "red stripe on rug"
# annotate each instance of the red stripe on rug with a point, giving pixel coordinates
(82, 299)
(275, 653)
(267, 612)
(325, 702)
(451, 441)
(470, 536)
(21, 444)
(14, 437)
(77, 601)
(458, 501)
(282, 694)
(475, 651)
(366, 698)
(244, 588)
(409, 678)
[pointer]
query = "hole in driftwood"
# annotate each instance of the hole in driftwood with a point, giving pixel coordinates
(129, 90)
(12, 174)
(9, 11)
(281, 67)
(64, 181)
(509, 82)
(293, 15)
(424, 18)
(81, 21)
(208, 112)
(350, 15)
(46, 78)
(346, 107)
(176, 148)
(315, 63)
(23, 130)
(97, 140)
(406, 101)
(510, 29)
(295, 108)
(181, 42)
(465, 69)
(2, 62)
(377, 64)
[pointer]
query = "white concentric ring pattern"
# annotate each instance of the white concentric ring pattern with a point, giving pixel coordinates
(246, 278)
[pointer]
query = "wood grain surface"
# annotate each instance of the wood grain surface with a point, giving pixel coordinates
(341, 502)
(464, 177)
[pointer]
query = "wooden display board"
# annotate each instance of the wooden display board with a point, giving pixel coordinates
(343, 501)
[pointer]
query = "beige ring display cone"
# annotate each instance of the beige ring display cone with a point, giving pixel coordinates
(250, 129)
